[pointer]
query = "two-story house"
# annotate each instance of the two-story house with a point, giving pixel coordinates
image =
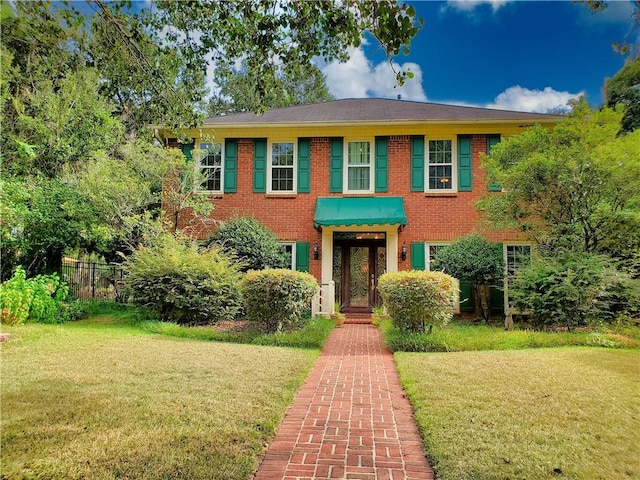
(357, 187)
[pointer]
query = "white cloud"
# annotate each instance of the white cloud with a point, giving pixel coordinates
(359, 78)
(470, 5)
(525, 100)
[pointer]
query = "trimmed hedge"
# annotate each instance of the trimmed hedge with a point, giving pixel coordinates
(182, 283)
(415, 299)
(277, 299)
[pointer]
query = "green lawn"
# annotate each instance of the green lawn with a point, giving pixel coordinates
(567, 413)
(99, 400)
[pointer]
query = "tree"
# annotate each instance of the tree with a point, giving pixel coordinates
(273, 34)
(624, 89)
(473, 259)
(251, 243)
(304, 84)
(574, 188)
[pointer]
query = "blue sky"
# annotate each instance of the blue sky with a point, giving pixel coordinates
(527, 56)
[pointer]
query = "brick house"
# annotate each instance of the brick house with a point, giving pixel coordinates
(358, 187)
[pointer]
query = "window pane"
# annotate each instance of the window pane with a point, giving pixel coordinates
(359, 153)
(358, 178)
(212, 179)
(282, 154)
(282, 167)
(517, 257)
(288, 251)
(440, 177)
(210, 161)
(440, 151)
(282, 179)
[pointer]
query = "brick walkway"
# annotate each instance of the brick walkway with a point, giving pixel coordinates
(350, 419)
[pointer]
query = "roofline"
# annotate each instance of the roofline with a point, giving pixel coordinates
(520, 121)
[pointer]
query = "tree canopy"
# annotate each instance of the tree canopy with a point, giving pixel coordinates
(624, 89)
(574, 188)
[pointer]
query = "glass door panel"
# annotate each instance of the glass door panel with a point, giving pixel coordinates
(359, 277)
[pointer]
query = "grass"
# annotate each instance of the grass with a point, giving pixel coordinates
(313, 335)
(459, 338)
(568, 413)
(105, 399)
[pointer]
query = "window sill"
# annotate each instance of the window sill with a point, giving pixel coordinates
(281, 195)
(441, 194)
(210, 194)
(358, 194)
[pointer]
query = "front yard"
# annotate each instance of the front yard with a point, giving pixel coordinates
(566, 413)
(99, 400)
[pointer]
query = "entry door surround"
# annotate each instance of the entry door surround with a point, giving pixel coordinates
(357, 264)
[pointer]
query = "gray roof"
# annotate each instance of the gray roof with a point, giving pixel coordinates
(376, 110)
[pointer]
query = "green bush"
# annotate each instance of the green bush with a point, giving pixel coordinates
(182, 283)
(252, 244)
(415, 299)
(574, 290)
(473, 259)
(277, 299)
(36, 299)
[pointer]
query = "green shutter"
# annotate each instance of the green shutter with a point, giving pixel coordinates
(467, 302)
(230, 166)
(382, 164)
(187, 149)
(418, 260)
(304, 165)
(417, 164)
(260, 166)
(493, 140)
(464, 164)
(335, 165)
(302, 256)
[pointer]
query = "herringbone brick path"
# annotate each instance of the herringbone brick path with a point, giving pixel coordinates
(350, 419)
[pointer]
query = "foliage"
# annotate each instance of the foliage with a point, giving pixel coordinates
(41, 217)
(456, 337)
(277, 299)
(36, 299)
(574, 290)
(252, 244)
(74, 311)
(182, 283)
(623, 89)
(417, 298)
(576, 187)
(312, 335)
(270, 34)
(472, 258)
(303, 84)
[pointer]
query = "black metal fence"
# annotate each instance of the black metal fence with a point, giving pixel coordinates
(95, 280)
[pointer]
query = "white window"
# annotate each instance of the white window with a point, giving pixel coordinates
(281, 175)
(209, 165)
(441, 166)
(359, 167)
(432, 251)
(290, 250)
(516, 257)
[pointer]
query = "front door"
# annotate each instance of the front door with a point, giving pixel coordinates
(358, 263)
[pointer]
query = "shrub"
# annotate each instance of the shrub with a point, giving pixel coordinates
(416, 298)
(251, 243)
(36, 299)
(182, 283)
(277, 299)
(471, 258)
(574, 290)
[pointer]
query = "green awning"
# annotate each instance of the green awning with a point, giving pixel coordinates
(336, 211)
